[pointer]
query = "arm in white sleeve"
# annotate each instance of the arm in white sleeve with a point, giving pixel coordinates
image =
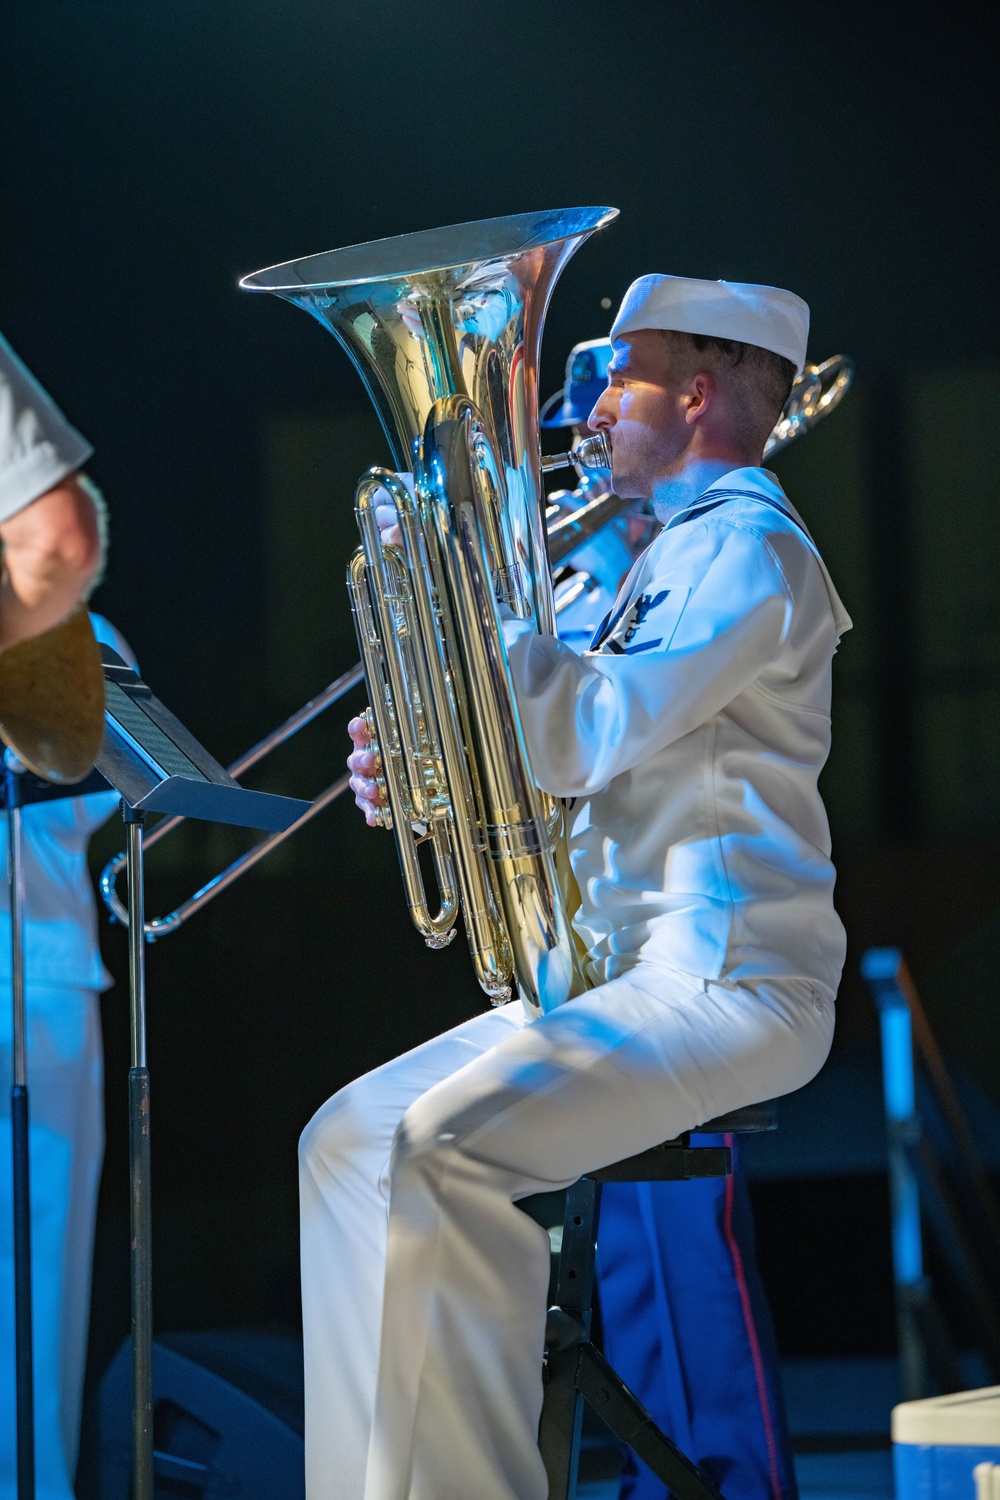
(723, 616)
(38, 447)
(50, 519)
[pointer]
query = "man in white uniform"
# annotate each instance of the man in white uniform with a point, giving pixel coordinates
(688, 742)
(49, 525)
(684, 1315)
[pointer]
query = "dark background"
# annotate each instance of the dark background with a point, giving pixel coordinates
(153, 153)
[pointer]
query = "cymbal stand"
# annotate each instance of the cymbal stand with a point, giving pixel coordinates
(23, 1345)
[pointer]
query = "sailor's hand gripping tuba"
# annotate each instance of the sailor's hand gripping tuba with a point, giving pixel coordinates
(444, 328)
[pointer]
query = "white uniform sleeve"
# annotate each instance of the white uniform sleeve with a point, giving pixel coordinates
(38, 447)
(718, 608)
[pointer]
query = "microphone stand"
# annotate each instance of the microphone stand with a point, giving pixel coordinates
(23, 1349)
(141, 1221)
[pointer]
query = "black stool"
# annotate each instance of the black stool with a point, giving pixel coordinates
(576, 1371)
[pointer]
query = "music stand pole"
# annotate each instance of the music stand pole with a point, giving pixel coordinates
(139, 1167)
(23, 1351)
(154, 763)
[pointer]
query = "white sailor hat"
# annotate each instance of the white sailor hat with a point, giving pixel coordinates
(766, 316)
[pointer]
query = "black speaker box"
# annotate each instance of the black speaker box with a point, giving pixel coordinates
(227, 1420)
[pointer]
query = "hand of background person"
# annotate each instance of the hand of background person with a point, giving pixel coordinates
(51, 551)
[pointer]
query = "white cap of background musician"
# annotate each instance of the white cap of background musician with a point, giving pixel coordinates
(763, 315)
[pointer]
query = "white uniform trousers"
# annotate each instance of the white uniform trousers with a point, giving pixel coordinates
(423, 1286)
(66, 1148)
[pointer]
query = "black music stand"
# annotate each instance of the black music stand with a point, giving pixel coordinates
(21, 788)
(157, 766)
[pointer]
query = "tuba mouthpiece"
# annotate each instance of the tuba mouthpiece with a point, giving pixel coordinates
(593, 453)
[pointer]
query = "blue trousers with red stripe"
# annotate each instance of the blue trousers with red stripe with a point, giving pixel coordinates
(687, 1327)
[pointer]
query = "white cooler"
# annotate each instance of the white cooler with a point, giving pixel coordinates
(939, 1443)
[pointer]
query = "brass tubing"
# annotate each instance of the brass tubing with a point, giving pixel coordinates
(814, 394)
(570, 532)
(513, 807)
(389, 585)
(377, 652)
(413, 711)
(487, 939)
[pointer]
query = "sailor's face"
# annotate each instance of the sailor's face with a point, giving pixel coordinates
(643, 413)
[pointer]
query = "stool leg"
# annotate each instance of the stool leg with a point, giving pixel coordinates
(568, 1325)
(562, 1418)
(631, 1423)
(576, 1372)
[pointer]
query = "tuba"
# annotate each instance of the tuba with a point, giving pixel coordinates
(444, 327)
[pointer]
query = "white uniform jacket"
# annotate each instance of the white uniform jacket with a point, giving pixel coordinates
(689, 740)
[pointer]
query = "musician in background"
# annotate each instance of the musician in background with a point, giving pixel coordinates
(52, 548)
(50, 523)
(688, 743)
(685, 1319)
(588, 580)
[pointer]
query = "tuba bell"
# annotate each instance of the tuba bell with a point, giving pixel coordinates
(444, 328)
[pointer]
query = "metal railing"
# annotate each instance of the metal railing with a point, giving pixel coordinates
(965, 1229)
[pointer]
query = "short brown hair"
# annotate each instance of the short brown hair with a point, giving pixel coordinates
(762, 380)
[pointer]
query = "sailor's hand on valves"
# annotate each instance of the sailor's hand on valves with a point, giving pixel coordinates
(389, 530)
(365, 771)
(385, 515)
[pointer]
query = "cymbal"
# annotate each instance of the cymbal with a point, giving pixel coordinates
(52, 700)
